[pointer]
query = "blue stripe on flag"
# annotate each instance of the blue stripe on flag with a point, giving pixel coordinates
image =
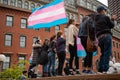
(48, 5)
(48, 25)
(81, 53)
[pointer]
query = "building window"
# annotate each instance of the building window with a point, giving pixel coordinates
(47, 29)
(26, 5)
(118, 56)
(82, 2)
(9, 20)
(19, 4)
(65, 31)
(6, 64)
(12, 2)
(21, 58)
(23, 23)
(81, 17)
(71, 2)
(8, 40)
(35, 39)
(57, 29)
(89, 6)
(70, 16)
(67, 14)
(94, 8)
(76, 18)
(113, 44)
(22, 41)
(117, 45)
(115, 54)
(5, 1)
(38, 5)
(32, 6)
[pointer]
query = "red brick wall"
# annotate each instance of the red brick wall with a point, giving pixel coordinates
(16, 31)
(116, 49)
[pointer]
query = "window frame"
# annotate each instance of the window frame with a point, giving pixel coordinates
(82, 3)
(7, 40)
(117, 45)
(113, 43)
(22, 41)
(32, 6)
(38, 5)
(24, 56)
(12, 2)
(26, 6)
(65, 31)
(47, 29)
(57, 29)
(19, 3)
(23, 23)
(6, 62)
(6, 2)
(8, 21)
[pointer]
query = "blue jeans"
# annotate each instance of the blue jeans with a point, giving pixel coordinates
(51, 63)
(45, 68)
(105, 43)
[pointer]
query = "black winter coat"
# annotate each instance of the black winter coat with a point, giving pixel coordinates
(36, 52)
(103, 24)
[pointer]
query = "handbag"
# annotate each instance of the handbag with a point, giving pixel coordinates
(80, 49)
(92, 45)
(43, 57)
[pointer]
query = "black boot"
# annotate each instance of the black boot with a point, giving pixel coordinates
(49, 74)
(34, 76)
(45, 74)
(53, 74)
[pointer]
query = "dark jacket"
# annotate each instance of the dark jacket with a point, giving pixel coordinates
(36, 52)
(83, 31)
(60, 44)
(45, 47)
(52, 46)
(103, 25)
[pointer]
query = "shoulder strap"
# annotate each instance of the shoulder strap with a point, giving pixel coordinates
(87, 27)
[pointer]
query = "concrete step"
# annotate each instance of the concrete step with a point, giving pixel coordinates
(83, 77)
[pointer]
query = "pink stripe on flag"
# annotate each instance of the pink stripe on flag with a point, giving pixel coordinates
(46, 20)
(80, 47)
(47, 9)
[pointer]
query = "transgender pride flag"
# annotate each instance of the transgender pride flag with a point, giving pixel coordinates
(80, 49)
(48, 16)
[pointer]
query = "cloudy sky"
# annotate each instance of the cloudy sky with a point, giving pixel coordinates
(103, 1)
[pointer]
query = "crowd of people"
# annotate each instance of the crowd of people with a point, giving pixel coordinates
(58, 44)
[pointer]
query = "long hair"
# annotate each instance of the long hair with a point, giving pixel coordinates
(70, 22)
(52, 38)
(59, 34)
(46, 41)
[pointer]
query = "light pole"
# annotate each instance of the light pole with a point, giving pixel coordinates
(2, 59)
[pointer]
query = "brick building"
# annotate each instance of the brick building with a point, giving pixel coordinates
(16, 39)
(114, 6)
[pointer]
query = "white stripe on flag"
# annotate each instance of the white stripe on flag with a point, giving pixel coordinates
(47, 14)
